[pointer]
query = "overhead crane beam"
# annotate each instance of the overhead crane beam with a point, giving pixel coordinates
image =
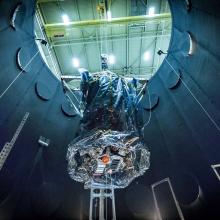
(60, 28)
(112, 38)
(45, 1)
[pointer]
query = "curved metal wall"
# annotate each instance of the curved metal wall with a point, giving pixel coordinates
(183, 131)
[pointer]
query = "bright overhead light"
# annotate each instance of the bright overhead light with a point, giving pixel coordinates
(147, 55)
(75, 62)
(109, 15)
(111, 59)
(151, 11)
(66, 19)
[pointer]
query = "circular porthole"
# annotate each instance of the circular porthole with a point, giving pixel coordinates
(68, 109)
(18, 16)
(23, 58)
(43, 91)
(192, 45)
(150, 101)
(186, 188)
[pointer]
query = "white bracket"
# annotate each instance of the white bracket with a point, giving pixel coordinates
(166, 180)
(215, 170)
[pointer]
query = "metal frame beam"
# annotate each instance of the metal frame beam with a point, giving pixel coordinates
(45, 1)
(93, 40)
(61, 28)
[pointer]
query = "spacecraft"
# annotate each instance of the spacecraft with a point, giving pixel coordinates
(105, 153)
(107, 158)
(38, 124)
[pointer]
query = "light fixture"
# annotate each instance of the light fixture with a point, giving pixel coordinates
(147, 55)
(151, 11)
(66, 19)
(109, 15)
(75, 62)
(111, 59)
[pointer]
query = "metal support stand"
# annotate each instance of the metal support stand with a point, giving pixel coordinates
(102, 193)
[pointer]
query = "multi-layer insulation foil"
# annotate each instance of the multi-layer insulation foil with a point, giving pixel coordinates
(109, 150)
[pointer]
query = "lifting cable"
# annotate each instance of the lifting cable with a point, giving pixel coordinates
(71, 91)
(138, 101)
(76, 109)
(148, 121)
(30, 61)
(194, 97)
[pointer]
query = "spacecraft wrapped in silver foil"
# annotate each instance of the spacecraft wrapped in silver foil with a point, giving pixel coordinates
(109, 150)
(107, 158)
(109, 100)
